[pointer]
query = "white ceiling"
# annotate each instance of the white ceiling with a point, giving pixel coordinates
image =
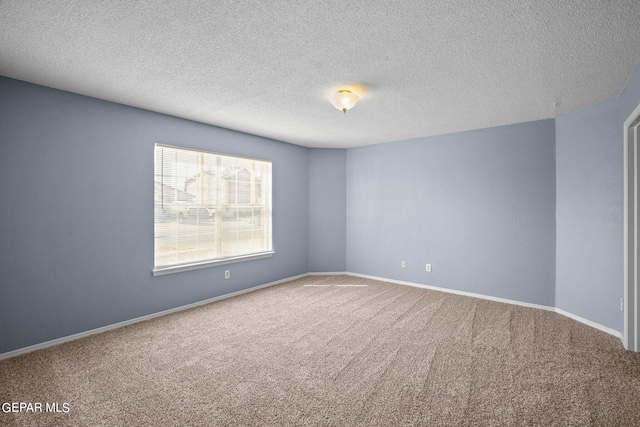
(267, 67)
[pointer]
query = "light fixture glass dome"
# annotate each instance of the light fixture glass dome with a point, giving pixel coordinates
(344, 100)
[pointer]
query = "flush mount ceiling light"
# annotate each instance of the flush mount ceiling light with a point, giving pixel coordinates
(344, 100)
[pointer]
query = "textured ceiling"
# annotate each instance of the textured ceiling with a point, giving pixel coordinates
(268, 67)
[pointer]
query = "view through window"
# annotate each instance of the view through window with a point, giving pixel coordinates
(209, 207)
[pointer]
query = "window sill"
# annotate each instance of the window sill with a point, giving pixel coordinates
(187, 267)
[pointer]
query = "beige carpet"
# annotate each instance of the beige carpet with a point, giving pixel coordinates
(328, 355)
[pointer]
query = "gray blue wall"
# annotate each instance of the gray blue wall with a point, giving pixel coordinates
(479, 206)
(327, 210)
(589, 199)
(76, 188)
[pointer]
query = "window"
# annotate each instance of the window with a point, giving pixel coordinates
(209, 209)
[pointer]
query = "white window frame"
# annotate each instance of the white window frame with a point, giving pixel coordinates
(266, 205)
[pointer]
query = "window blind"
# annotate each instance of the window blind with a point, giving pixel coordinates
(209, 208)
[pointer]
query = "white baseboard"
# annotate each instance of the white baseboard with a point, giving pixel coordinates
(587, 322)
(255, 288)
(590, 323)
(139, 319)
(453, 291)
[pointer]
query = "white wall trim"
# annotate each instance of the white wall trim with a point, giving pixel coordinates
(212, 263)
(456, 292)
(587, 322)
(140, 319)
(277, 282)
(631, 165)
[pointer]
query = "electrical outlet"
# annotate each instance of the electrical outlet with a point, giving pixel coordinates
(404, 264)
(429, 267)
(227, 274)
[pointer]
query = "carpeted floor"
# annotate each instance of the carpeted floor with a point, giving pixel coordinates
(310, 352)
